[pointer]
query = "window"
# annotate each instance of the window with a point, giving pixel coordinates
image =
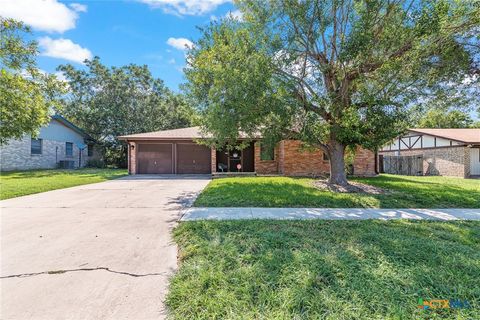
(90, 150)
(69, 149)
(267, 152)
(36, 146)
(325, 157)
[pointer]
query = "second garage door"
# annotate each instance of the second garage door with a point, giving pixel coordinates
(193, 158)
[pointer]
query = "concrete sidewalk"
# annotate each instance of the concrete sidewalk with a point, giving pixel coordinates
(192, 214)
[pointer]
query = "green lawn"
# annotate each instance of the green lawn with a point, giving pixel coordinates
(324, 269)
(406, 192)
(20, 183)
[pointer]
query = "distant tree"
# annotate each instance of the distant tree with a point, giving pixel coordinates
(111, 101)
(476, 124)
(333, 73)
(437, 118)
(26, 94)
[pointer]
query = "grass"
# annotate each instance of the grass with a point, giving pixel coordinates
(406, 192)
(368, 269)
(20, 183)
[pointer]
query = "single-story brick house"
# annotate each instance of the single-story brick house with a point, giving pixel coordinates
(176, 152)
(59, 144)
(444, 152)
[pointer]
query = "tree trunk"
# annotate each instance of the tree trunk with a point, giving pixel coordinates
(337, 163)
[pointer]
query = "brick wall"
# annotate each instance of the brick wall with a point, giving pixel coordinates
(132, 155)
(364, 162)
(213, 158)
(266, 166)
(16, 155)
(291, 159)
(454, 161)
(298, 161)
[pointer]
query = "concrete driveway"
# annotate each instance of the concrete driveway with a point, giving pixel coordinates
(99, 251)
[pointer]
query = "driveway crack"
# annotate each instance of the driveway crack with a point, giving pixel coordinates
(51, 272)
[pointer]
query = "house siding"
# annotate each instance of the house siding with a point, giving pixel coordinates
(298, 161)
(292, 159)
(445, 161)
(364, 163)
(266, 166)
(16, 154)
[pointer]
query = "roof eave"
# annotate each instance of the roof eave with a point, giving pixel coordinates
(129, 138)
(441, 136)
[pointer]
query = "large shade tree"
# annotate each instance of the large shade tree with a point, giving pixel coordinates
(27, 95)
(333, 73)
(111, 101)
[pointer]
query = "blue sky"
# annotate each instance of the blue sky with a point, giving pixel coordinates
(151, 32)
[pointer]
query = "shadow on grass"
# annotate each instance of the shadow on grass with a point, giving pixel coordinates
(325, 269)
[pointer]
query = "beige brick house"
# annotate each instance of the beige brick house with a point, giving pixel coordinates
(444, 152)
(176, 152)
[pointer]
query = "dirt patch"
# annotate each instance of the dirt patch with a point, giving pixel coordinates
(352, 187)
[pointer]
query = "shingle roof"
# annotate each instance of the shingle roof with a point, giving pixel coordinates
(462, 135)
(183, 133)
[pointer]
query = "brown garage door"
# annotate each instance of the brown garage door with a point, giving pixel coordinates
(193, 158)
(155, 158)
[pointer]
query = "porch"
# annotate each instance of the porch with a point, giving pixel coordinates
(235, 162)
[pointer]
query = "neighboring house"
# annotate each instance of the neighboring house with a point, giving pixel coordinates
(59, 144)
(176, 152)
(444, 152)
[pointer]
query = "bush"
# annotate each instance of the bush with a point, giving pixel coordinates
(95, 163)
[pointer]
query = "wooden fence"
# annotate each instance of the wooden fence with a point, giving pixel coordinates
(402, 165)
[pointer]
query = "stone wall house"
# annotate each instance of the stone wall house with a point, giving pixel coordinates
(443, 152)
(177, 151)
(56, 143)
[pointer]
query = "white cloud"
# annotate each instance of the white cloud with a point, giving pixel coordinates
(45, 15)
(60, 76)
(236, 15)
(172, 61)
(185, 7)
(63, 49)
(78, 7)
(180, 43)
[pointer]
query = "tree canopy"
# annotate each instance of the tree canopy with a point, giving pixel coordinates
(111, 101)
(333, 73)
(436, 118)
(26, 94)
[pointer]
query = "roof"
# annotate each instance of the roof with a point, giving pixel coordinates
(461, 135)
(70, 125)
(183, 133)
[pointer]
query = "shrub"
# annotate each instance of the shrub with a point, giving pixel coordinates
(95, 163)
